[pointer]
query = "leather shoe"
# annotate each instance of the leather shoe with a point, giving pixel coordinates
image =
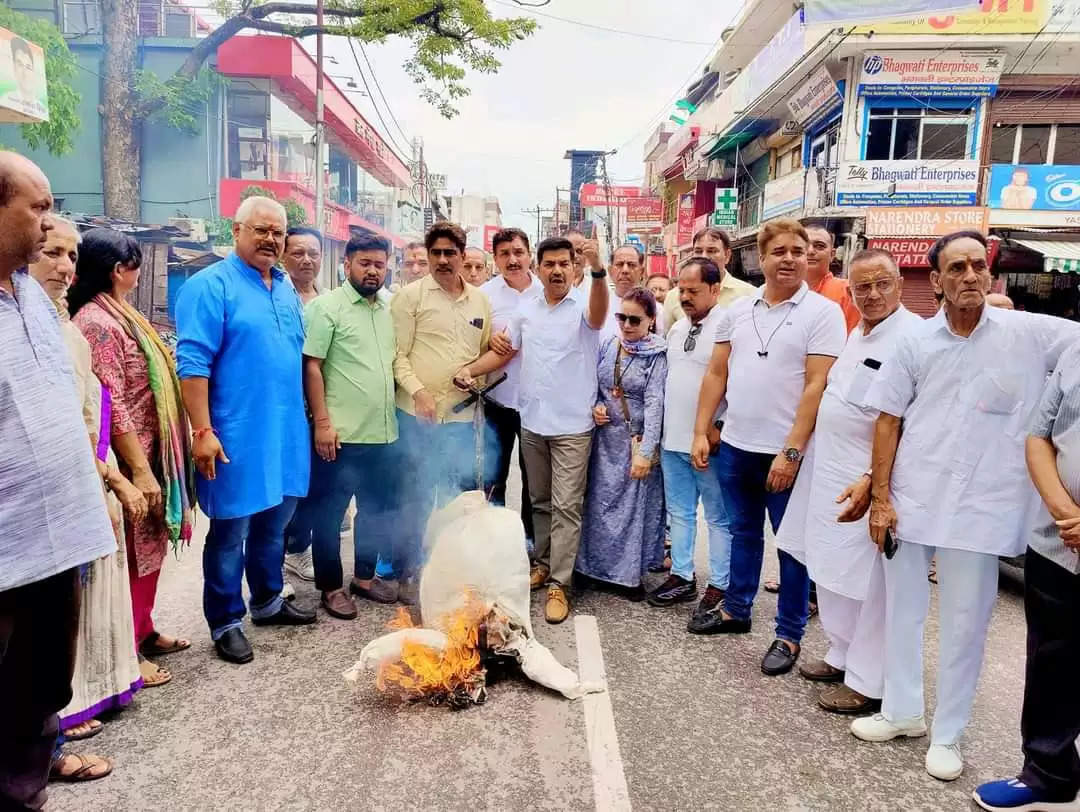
(779, 659)
(842, 699)
(288, 615)
(674, 590)
(381, 590)
(821, 671)
(538, 575)
(338, 604)
(233, 647)
(714, 622)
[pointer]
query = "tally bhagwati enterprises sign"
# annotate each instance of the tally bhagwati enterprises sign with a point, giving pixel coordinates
(937, 73)
(907, 183)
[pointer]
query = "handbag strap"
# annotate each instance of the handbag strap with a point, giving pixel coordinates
(618, 384)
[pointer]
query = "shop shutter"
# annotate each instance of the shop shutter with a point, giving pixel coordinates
(918, 294)
(1050, 105)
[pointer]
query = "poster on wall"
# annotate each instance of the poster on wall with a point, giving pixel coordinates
(784, 194)
(685, 219)
(1042, 187)
(907, 183)
(930, 73)
(24, 96)
(860, 11)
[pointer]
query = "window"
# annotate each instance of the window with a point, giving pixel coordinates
(789, 161)
(824, 149)
(908, 133)
(1035, 144)
(249, 148)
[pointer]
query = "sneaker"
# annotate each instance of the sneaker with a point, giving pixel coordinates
(538, 575)
(300, 565)
(877, 728)
(287, 591)
(558, 605)
(944, 762)
(1016, 796)
(674, 590)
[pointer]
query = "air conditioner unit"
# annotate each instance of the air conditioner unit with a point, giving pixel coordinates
(194, 226)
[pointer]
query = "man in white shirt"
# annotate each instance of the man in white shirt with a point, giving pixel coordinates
(834, 542)
(952, 484)
(773, 353)
(506, 291)
(627, 271)
(690, 346)
(558, 336)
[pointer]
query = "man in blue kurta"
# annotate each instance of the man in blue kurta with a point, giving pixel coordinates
(241, 332)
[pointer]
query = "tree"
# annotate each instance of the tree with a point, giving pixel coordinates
(449, 37)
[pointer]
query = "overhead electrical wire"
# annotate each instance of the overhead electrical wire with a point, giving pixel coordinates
(388, 131)
(375, 79)
(594, 27)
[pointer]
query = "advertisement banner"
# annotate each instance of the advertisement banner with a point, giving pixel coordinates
(907, 253)
(24, 96)
(685, 221)
(859, 11)
(907, 183)
(782, 52)
(489, 232)
(644, 212)
(997, 17)
(815, 95)
(1042, 187)
(937, 73)
(592, 194)
(784, 195)
(919, 221)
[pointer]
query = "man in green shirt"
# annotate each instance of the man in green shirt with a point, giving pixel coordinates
(349, 382)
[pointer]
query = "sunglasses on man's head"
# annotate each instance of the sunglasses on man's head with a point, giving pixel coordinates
(622, 318)
(691, 338)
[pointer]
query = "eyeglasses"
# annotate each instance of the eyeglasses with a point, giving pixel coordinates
(622, 318)
(883, 286)
(691, 338)
(262, 232)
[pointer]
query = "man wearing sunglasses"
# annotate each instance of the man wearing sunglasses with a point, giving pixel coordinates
(690, 346)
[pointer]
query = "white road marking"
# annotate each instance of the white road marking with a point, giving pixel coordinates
(609, 780)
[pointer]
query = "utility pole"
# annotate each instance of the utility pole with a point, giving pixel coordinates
(538, 211)
(320, 124)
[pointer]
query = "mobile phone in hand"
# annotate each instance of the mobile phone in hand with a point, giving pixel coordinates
(891, 544)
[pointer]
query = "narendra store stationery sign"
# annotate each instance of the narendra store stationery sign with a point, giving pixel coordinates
(24, 95)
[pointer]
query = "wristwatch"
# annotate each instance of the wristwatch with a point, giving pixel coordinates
(598, 274)
(792, 454)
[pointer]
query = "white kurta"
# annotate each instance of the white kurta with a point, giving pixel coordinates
(840, 557)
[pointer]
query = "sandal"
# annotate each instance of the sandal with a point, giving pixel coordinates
(772, 587)
(84, 730)
(85, 771)
(153, 675)
(151, 647)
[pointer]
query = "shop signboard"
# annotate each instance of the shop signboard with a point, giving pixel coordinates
(24, 97)
(947, 73)
(644, 213)
(773, 61)
(593, 194)
(818, 93)
(784, 195)
(908, 253)
(685, 219)
(1021, 218)
(489, 233)
(1039, 187)
(925, 221)
(997, 17)
(858, 11)
(907, 183)
(726, 208)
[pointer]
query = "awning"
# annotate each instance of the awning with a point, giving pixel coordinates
(729, 141)
(1060, 256)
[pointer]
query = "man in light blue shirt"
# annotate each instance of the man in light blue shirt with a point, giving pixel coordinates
(52, 506)
(241, 331)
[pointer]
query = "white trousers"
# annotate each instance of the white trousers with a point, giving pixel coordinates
(856, 632)
(967, 589)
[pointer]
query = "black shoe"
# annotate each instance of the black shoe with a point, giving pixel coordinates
(703, 612)
(714, 622)
(674, 590)
(287, 615)
(779, 659)
(634, 594)
(233, 647)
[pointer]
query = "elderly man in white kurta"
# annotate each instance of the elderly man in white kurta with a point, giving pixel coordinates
(834, 541)
(952, 483)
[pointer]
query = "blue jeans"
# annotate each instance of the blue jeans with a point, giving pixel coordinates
(252, 544)
(439, 461)
(742, 476)
(683, 486)
(370, 472)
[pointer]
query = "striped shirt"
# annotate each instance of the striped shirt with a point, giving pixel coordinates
(52, 508)
(1058, 419)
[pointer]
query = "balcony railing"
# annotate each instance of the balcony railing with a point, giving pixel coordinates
(750, 210)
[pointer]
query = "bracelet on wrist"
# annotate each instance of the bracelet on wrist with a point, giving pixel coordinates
(598, 274)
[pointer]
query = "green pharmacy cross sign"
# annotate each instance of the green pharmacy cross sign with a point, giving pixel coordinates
(726, 211)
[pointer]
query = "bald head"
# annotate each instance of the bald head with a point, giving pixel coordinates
(874, 285)
(25, 202)
(1000, 300)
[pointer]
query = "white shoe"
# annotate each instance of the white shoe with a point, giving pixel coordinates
(287, 591)
(944, 762)
(301, 565)
(877, 728)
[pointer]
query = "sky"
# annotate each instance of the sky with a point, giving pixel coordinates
(568, 86)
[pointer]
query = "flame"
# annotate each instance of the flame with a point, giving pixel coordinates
(425, 673)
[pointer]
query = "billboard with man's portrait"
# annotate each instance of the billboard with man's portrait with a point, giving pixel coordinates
(24, 95)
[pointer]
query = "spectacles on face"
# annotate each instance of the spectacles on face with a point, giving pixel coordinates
(262, 232)
(691, 338)
(623, 318)
(883, 286)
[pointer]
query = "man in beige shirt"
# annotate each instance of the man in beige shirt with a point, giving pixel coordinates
(441, 323)
(714, 244)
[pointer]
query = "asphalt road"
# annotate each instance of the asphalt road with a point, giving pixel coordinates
(695, 725)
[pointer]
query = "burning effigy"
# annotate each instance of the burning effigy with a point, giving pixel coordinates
(474, 609)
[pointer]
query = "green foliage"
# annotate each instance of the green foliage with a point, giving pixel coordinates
(294, 212)
(56, 134)
(178, 101)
